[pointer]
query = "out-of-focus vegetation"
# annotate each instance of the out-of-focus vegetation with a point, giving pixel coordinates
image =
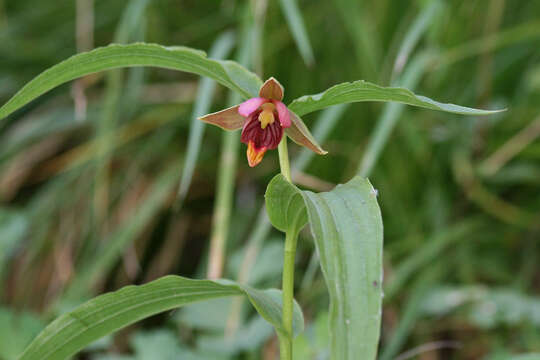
(89, 173)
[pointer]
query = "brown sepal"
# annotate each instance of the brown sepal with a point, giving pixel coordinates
(228, 119)
(272, 89)
(301, 135)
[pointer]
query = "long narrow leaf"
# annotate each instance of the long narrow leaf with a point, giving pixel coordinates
(361, 90)
(107, 313)
(227, 73)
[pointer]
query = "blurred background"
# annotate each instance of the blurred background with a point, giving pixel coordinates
(110, 180)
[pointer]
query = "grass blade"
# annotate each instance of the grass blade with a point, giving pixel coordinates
(389, 117)
(298, 29)
(205, 93)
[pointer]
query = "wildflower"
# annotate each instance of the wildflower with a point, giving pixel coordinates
(263, 120)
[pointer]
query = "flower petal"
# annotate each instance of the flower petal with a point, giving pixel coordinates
(283, 112)
(300, 134)
(249, 106)
(254, 154)
(228, 119)
(272, 90)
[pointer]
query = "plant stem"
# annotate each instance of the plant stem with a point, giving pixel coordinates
(285, 342)
(285, 347)
(284, 159)
(288, 293)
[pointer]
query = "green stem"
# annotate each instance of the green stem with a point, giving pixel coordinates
(288, 292)
(285, 347)
(284, 159)
(285, 341)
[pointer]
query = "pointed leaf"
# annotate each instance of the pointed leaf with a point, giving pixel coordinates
(227, 73)
(364, 91)
(347, 227)
(107, 313)
(285, 206)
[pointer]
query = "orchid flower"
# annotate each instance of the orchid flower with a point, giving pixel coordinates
(263, 120)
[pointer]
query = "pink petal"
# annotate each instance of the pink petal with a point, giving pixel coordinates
(249, 106)
(283, 112)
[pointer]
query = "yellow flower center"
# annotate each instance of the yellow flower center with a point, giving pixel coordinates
(267, 114)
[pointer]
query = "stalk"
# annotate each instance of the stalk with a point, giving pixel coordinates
(288, 293)
(284, 159)
(285, 342)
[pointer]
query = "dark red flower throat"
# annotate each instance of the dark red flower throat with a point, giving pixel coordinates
(260, 139)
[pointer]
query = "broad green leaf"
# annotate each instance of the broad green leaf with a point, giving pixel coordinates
(347, 227)
(364, 91)
(107, 313)
(285, 205)
(227, 73)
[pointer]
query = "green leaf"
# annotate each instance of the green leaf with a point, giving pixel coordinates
(285, 205)
(347, 227)
(364, 91)
(227, 73)
(107, 313)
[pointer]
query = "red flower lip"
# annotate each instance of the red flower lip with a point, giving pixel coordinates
(263, 129)
(260, 139)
